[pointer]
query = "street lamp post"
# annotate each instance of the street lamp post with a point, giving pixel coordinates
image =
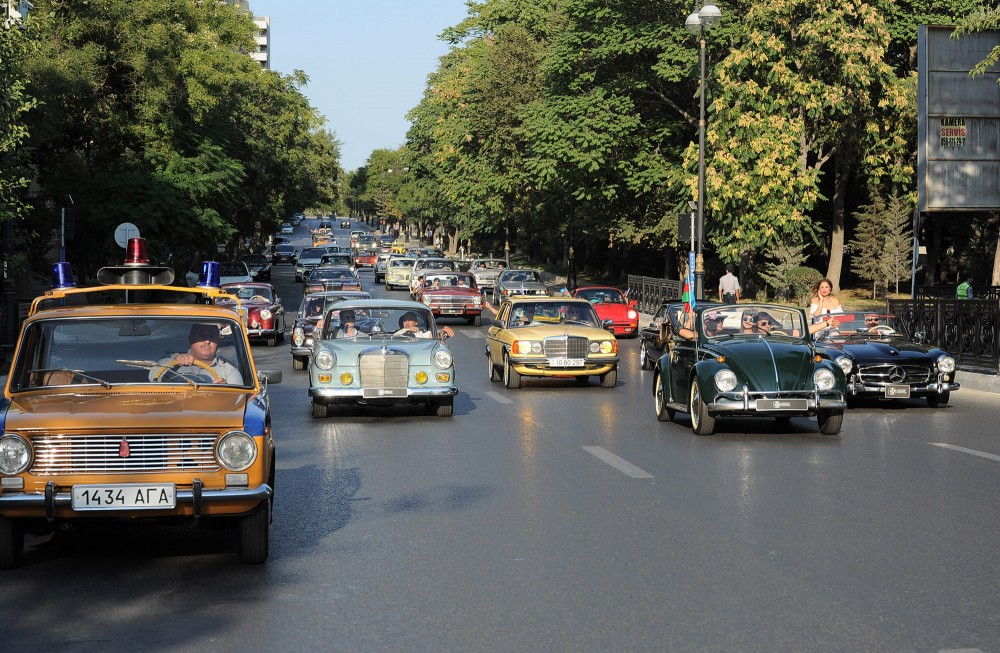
(699, 23)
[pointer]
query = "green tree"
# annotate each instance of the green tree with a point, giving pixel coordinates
(882, 243)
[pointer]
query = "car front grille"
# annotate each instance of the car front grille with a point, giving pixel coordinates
(117, 454)
(384, 369)
(448, 302)
(896, 374)
(566, 346)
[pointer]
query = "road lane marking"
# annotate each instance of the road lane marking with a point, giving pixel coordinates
(499, 397)
(981, 454)
(620, 464)
(473, 334)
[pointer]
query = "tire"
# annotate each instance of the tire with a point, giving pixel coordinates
(645, 362)
(299, 362)
(272, 340)
(476, 320)
(320, 411)
(494, 373)
(937, 400)
(511, 377)
(663, 413)
(701, 422)
(830, 421)
(11, 544)
(445, 407)
(610, 378)
(255, 531)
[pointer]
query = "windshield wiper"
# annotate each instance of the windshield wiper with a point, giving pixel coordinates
(45, 370)
(152, 364)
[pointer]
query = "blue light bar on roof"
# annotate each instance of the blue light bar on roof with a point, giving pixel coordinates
(210, 276)
(62, 276)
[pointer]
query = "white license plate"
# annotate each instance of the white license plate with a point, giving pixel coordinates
(566, 362)
(897, 392)
(388, 393)
(782, 404)
(124, 496)
(451, 311)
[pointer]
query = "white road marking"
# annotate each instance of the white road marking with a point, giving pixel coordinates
(620, 464)
(981, 454)
(499, 397)
(473, 334)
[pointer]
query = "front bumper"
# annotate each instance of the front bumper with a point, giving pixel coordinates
(859, 388)
(260, 332)
(358, 394)
(27, 505)
(775, 403)
(540, 367)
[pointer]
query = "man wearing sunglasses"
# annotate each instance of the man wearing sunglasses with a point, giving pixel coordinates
(763, 323)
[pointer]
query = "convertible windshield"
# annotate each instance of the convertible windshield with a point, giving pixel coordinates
(115, 351)
(602, 296)
(751, 319)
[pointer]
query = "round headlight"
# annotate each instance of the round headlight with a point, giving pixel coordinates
(298, 337)
(443, 359)
(536, 347)
(946, 364)
(15, 454)
(825, 379)
(725, 380)
(607, 347)
(324, 360)
(845, 363)
(265, 314)
(477, 300)
(236, 451)
(632, 315)
(595, 346)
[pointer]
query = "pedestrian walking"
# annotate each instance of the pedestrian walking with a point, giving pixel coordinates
(964, 290)
(729, 286)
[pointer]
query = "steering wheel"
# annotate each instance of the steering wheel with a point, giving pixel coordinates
(778, 332)
(171, 365)
(258, 298)
(883, 330)
(405, 332)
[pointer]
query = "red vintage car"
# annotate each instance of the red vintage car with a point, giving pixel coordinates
(262, 312)
(451, 294)
(365, 258)
(612, 304)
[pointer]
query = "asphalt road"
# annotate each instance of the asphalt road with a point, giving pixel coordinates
(559, 518)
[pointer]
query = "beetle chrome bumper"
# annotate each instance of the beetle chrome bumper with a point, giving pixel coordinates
(776, 403)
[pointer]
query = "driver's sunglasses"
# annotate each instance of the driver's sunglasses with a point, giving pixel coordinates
(763, 323)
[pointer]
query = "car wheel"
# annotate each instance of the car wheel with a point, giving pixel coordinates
(663, 413)
(701, 422)
(610, 379)
(476, 320)
(272, 340)
(937, 400)
(11, 544)
(320, 411)
(445, 407)
(494, 373)
(830, 421)
(645, 360)
(254, 535)
(511, 377)
(299, 362)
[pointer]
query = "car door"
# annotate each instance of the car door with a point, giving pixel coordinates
(494, 340)
(683, 356)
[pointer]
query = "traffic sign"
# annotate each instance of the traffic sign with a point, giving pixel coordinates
(125, 231)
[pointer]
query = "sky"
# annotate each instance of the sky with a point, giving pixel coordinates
(367, 62)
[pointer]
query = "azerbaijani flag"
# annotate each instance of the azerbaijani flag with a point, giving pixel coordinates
(686, 297)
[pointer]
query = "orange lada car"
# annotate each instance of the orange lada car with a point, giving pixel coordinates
(116, 411)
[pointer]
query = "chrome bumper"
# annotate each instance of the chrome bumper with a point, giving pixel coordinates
(754, 403)
(857, 388)
(358, 393)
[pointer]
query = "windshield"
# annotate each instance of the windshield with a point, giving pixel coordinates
(456, 280)
(313, 252)
(531, 314)
(108, 351)
(520, 276)
(379, 322)
(602, 295)
(751, 319)
(330, 273)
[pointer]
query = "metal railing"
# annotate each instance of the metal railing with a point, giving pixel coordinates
(948, 292)
(650, 292)
(966, 329)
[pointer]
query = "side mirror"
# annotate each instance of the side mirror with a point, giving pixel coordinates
(267, 377)
(606, 325)
(498, 324)
(633, 304)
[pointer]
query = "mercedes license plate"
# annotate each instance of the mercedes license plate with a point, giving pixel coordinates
(124, 496)
(451, 311)
(897, 392)
(566, 362)
(388, 393)
(782, 404)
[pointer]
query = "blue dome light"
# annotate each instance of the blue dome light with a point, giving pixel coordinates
(62, 276)
(210, 276)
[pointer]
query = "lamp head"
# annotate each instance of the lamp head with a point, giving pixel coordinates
(710, 15)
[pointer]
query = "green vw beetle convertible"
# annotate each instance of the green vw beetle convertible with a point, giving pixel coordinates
(745, 360)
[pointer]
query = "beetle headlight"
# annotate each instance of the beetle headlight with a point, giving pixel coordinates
(15, 454)
(324, 360)
(725, 380)
(946, 364)
(443, 359)
(265, 314)
(845, 363)
(236, 451)
(824, 379)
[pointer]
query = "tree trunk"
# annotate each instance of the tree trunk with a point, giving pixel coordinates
(995, 280)
(842, 176)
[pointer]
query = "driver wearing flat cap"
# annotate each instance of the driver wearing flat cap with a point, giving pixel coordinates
(204, 342)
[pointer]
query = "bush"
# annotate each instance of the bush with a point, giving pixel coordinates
(800, 281)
